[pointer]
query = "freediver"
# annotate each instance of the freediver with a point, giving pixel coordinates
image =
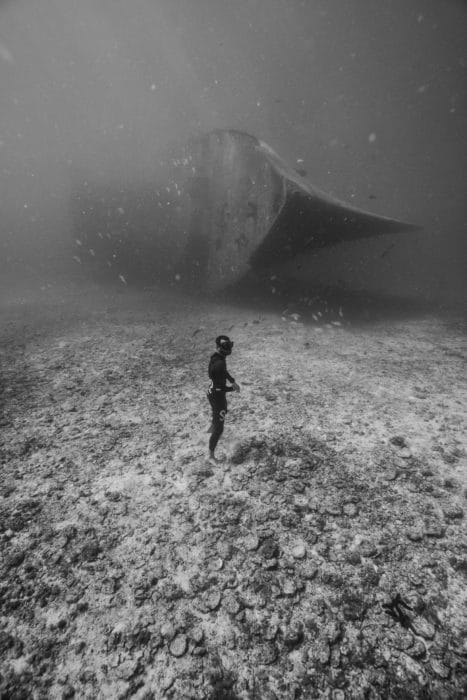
(218, 389)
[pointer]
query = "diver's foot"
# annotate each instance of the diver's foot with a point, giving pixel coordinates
(213, 459)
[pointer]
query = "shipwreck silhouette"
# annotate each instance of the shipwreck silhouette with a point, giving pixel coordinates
(226, 204)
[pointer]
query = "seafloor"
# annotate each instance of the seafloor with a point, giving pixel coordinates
(324, 557)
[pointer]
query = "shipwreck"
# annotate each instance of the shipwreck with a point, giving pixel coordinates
(225, 205)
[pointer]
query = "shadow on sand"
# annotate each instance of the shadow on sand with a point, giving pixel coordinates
(331, 303)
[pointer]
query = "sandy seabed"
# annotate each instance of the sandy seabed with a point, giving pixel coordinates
(324, 556)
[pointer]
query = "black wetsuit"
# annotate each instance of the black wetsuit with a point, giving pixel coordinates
(218, 375)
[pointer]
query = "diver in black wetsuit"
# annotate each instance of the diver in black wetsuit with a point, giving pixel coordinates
(219, 375)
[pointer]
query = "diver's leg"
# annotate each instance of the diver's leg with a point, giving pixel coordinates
(213, 411)
(218, 416)
(218, 429)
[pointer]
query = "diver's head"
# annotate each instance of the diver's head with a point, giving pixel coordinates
(224, 345)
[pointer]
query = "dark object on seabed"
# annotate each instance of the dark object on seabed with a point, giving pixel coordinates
(226, 203)
(394, 609)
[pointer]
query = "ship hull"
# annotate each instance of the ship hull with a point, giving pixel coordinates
(226, 204)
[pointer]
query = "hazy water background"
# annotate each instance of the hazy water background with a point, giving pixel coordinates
(369, 97)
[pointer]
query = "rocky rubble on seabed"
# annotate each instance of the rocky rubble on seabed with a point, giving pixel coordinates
(279, 573)
(325, 557)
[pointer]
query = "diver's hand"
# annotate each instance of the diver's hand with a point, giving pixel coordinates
(235, 386)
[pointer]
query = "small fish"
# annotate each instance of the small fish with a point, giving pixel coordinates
(122, 279)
